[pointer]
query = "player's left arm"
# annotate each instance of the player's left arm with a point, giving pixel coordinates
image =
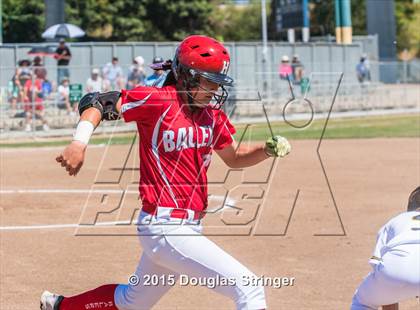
(241, 157)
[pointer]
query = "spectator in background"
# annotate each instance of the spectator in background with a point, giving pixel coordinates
(285, 69)
(367, 63)
(63, 92)
(362, 70)
(297, 69)
(14, 90)
(47, 87)
(113, 75)
(94, 83)
(137, 74)
(23, 75)
(25, 72)
(63, 58)
(158, 77)
(40, 71)
(38, 68)
(33, 102)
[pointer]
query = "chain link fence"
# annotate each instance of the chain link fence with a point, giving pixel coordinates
(32, 104)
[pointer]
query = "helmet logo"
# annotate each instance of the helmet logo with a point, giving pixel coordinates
(225, 67)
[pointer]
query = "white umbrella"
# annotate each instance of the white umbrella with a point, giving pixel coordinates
(63, 31)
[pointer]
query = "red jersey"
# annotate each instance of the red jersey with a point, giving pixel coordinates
(37, 90)
(175, 146)
(33, 94)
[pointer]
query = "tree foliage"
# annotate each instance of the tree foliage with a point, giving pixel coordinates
(108, 20)
(238, 23)
(323, 17)
(168, 20)
(137, 20)
(133, 20)
(23, 21)
(173, 20)
(113, 20)
(407, 15)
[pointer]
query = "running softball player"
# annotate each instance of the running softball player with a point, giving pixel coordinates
(395, 261)
(179, 125)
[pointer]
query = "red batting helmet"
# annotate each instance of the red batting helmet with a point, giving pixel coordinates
(208, 57)
(202, 56)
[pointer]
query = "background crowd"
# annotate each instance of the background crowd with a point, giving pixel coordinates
(30, 88)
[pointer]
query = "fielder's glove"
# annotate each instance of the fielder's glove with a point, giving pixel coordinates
(277, 146)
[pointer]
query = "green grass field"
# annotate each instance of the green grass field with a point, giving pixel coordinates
(344, 128)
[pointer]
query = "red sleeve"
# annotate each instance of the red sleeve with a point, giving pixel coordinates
(223, 131)
(140, 104)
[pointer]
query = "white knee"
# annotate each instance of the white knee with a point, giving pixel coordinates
(356, 304)
(252, 299)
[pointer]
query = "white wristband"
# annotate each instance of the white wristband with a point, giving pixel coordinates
(83, 132)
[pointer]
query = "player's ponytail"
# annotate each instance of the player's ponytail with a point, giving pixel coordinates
(170, 79)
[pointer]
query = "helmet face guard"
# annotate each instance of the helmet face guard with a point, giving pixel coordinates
(191, 79)
(218, 98)
(218, 78)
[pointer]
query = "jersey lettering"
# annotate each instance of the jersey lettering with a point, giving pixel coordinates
(185, 138)
(181, 142)
(168, 140)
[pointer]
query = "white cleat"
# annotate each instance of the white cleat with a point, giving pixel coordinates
(50, 301)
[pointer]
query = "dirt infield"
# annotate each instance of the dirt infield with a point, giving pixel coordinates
(289, 225)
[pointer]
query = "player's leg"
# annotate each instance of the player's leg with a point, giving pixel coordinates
(377, 290)
(28, 119)
(395, 279)
(192, 255)
(137, 296)
(150, 283)
(368, 294)
(101, 297)
(40, 114)
(141, 295)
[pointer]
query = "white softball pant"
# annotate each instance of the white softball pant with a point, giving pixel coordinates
(170, 251)
(395, 279)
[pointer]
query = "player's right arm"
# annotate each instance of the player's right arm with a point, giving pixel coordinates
(133, 105)
(94, 108)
